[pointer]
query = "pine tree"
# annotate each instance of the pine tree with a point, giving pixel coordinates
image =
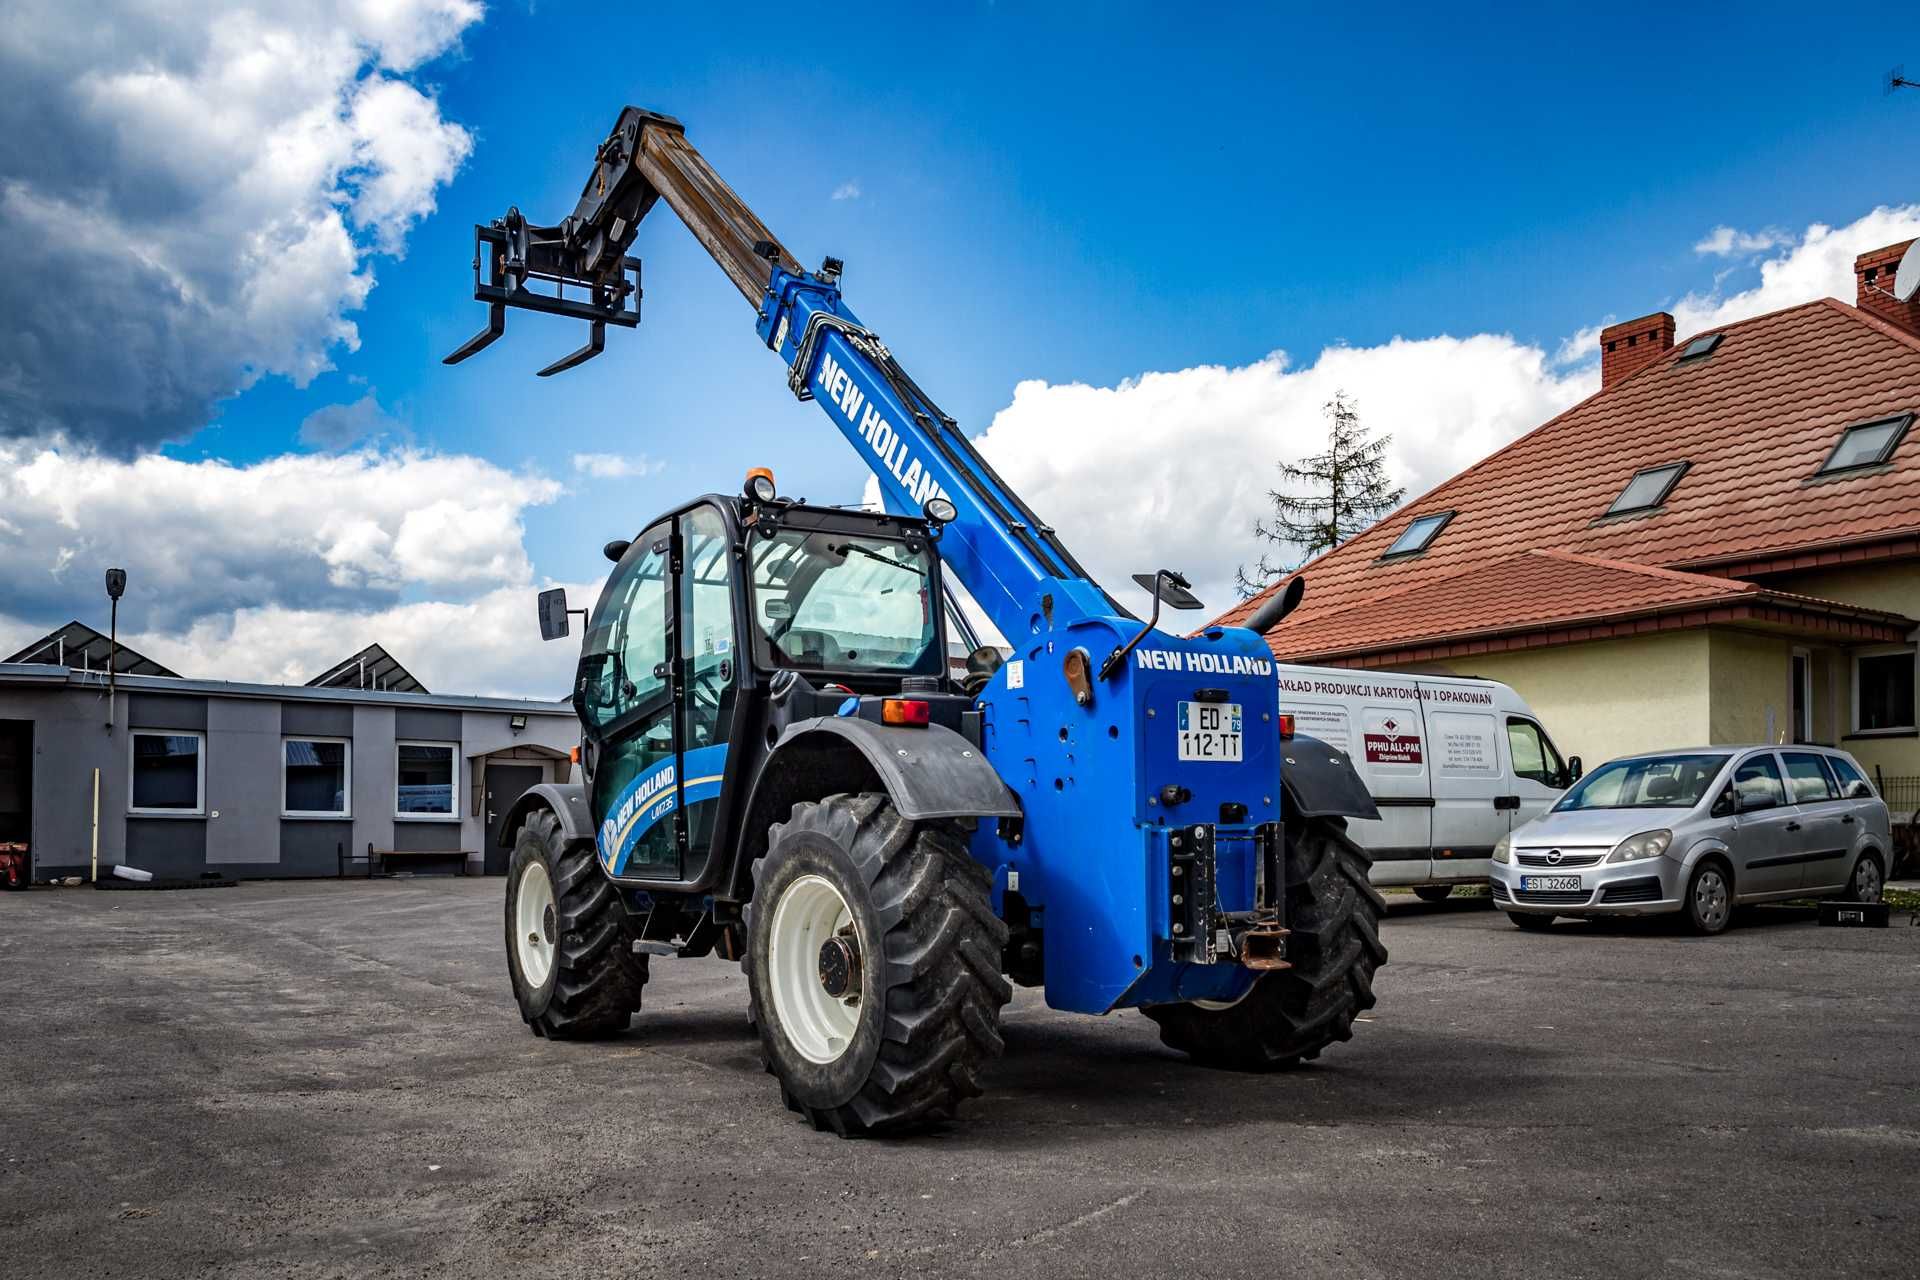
(1326, 499)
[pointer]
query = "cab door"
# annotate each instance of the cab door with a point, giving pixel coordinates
(1538, 774)
(709, 657)
(624, 690)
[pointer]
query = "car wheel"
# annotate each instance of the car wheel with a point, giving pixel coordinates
(1433, 892)
(1530, 921)
(1866, 884)
(1709, 902)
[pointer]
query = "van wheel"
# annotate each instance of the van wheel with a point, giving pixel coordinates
(1709, 902)
(1433, 892)
(1531, 922)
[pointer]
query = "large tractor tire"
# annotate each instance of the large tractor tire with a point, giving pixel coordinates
(873, 966)
(1289, 1015)
(569, 942)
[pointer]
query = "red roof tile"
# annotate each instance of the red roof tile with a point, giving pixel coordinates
(1755, 420)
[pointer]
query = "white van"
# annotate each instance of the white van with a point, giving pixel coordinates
(1453, 764)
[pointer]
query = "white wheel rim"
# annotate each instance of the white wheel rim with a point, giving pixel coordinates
(534, 926)
(818, 1025)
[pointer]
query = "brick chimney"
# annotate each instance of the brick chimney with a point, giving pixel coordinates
(1630, 347)
(1873, 286)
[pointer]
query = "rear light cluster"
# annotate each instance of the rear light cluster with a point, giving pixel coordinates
(1286, 724)
(909, 711)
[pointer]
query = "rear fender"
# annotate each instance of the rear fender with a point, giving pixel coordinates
(1320, 782)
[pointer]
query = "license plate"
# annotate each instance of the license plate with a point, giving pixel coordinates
(1549, 883)
(1209, 731)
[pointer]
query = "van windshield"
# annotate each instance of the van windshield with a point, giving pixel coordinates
(1645, 782)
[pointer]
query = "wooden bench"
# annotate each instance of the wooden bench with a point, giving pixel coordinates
(377, 859)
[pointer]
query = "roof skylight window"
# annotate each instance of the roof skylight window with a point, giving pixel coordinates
(1701, 346)
(1648, 489)
(1419, 535)
(1867, 444)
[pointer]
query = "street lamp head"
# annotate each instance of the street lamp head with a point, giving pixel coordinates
(116, 583)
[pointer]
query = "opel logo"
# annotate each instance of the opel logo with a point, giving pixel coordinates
(1553, 857)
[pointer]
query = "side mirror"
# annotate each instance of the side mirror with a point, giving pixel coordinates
(1575, 770)
(1724, 805)
(553, 613)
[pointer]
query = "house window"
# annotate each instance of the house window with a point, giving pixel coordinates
(169, 773)
(427, 785)
(1419, 534)
(1701, 347)
(1867, 444)
(315, 778)
(1883, 691)
(1648, 488)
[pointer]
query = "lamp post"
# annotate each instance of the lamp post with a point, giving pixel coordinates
(116, 587)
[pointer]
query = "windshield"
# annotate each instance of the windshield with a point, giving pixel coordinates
(1645, 782)
(840, 602)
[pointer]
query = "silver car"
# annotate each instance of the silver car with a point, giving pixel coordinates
(1697, 832)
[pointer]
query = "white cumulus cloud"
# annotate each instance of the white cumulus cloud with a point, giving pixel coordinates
(1816, 264)
(614, 466)
(193, 195)
(1727, 242)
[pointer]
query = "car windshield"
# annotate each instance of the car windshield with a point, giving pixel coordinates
(840, 602)
(1645, 782)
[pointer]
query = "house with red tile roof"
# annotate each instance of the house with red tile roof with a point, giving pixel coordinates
(1720, 545)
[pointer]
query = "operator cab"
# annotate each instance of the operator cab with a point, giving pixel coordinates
(721, 624)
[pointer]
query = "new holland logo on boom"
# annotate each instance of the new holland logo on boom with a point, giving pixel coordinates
(836, 387)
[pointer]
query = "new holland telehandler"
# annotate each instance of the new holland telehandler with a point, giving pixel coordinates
(781, 764)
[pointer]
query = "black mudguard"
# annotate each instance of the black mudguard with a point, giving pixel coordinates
(568, 800)
(929, 772)
(1320, 782)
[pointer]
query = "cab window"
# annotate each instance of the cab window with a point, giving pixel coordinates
(1533, 755)
(623, 663)
(1756, 784)
(833, 601)
(1808, 781)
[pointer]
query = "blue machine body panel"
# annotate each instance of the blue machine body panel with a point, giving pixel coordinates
(1090, 855)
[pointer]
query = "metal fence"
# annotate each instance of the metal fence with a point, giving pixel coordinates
(1901, 792)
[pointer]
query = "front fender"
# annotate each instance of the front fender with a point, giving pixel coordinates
(567, 800)
(1701, 848)
(928, 773)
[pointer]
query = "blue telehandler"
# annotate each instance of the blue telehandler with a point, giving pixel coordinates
(782, 764)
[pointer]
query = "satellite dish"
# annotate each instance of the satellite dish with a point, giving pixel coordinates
(1906, 282)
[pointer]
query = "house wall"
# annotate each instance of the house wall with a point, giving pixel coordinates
(1610, 698)
(242, 831)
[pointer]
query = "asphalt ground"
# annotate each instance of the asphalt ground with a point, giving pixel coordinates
(331, 1079)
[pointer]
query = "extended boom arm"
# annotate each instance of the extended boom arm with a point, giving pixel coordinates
(1012, 563)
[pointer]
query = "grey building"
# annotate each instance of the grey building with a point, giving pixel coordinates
(248, 780)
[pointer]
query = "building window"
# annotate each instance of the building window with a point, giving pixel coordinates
(1419, 534)
(1867, 444)
(1883, 691)
(316, 778)
(1700, 347)
(427, 785)
(1648, 489)
(169, 773)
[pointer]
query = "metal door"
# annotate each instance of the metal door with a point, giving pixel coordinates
(1762, 835)
(505, 783)
(1827, 825)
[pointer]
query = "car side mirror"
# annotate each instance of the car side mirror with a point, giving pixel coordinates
(1724, 805)
(1575, 770)
(553, 613)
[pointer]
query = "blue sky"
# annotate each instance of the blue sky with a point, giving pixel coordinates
(1089, 192)
(1074, 194)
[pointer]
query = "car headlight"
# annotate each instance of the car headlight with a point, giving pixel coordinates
(1648, 844)
(1503, 850)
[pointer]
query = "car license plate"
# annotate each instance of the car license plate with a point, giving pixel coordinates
(1548, 884)
(1210, 731)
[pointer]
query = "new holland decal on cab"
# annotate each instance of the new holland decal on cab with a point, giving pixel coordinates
(652, 796)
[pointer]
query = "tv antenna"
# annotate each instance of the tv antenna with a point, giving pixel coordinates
(1897, 79)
